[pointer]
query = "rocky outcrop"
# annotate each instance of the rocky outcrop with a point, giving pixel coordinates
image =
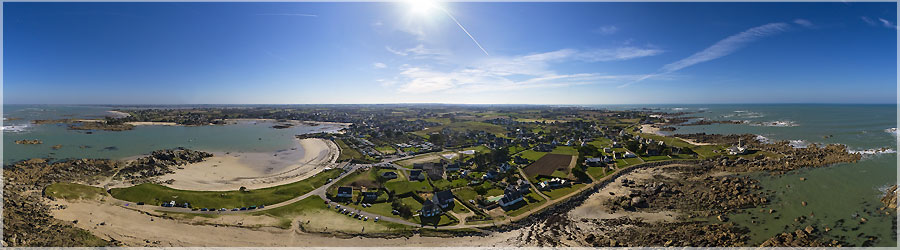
(35, 141)
(788, 158)
(160, 162)
(890, 199)
(807, 237)
(26, 218)
(717, 138)
(101, 126)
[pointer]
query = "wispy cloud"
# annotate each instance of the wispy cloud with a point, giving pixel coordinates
(379, 65)
(721, 48)
(868, 20)
(881, 22)
(606, 30)
(288, 14)
(511, 73)
(418, 52)
(887, 24)
(618, 54)
(804, 23)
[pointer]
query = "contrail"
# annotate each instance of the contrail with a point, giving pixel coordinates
(464, 30)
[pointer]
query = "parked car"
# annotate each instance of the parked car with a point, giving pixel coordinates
(376, 218)
(243, 208)
(204, 209)
(235, 209)
(223, 209)
(366, 218)
(261, 206)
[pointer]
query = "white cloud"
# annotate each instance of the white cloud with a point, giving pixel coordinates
(868, 20)
(606, 30)
(721, 48)
(887, 24)
(619, 54)
(803, 22)
(727, 46)
(377, 23)
(379, 65)
(511, 73)
(418, 52)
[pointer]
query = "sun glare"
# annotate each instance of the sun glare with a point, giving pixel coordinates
(422, 7)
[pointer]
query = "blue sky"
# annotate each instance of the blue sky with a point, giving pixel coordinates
(397, 52)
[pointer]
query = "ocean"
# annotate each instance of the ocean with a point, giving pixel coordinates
(837, 196)
(245, 136)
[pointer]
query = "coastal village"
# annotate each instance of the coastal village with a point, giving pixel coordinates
(456, 169)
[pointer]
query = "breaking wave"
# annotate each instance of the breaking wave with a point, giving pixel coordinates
(892, 131)
(776, 124)
(14, 128)
(744, 114)
(873, 151)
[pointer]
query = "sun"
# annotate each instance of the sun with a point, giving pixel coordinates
(422, 7)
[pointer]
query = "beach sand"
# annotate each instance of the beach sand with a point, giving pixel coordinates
(232, 170)
(135, 228)
(593, 207)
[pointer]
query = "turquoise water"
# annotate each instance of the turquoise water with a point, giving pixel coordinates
(839, 192)
(246, 136)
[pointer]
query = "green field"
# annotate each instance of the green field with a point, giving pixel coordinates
(404, 186)
(534, 200)
(385, 150)
(532, 155)
(601, 143)
(560, 192)
(154, 194)
(466, 125)
(656, 158)
(72, 191)
(347, 152)
(597, 172)
(565, 150)
(313, 209)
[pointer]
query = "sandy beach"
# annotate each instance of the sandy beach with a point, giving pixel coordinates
(136, 228)
(232, 170)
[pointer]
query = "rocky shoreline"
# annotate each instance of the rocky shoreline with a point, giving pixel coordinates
(159, 163)
(29, 142)
(26, 215)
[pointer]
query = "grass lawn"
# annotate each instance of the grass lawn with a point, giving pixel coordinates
(532, 155)
(424, 158)
(560, 192)
(497, 130)
(465, 194)
(596, 172)
(405, 186)
(601, 143)
(533, 201)
(443, 220)
(72, 191)
(320, 218)
(565, 150)
(444, 184)
(154, 194)
(386, 149)
(459, 208)
(656, 158)
(707, 151)
(347, 153)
